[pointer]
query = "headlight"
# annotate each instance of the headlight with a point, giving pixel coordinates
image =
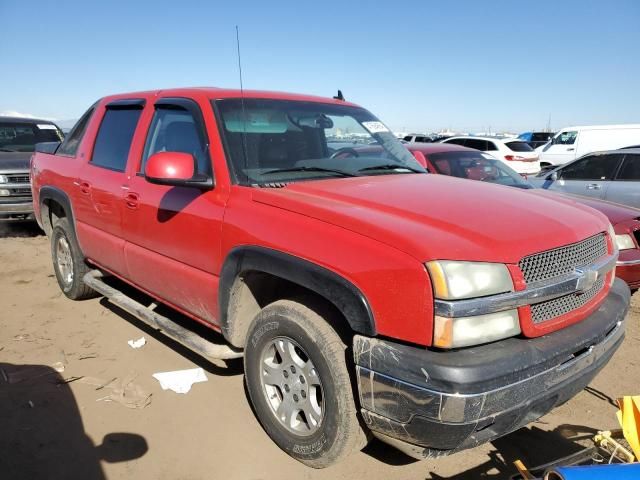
(624, 242)
(454, 280)
(4, 179)
(465, 331)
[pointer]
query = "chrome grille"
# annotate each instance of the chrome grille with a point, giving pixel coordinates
(563, 260)
(17, 178)
(543, 311)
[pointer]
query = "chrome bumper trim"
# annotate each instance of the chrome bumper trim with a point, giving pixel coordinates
(622, 263)
(580, 280)
(17, 208)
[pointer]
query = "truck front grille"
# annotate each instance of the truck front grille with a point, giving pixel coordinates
(17, 178)
(543, 311)
(563, 260)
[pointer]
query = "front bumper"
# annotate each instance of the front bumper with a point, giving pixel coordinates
(16, 211)
(431, 403)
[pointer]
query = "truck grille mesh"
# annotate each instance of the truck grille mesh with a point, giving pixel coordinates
(17, 178)
(543, 311)
(563, 260)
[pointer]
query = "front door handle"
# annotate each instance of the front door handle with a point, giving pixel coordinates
(132, 200)
(593, 186)
(570, 149)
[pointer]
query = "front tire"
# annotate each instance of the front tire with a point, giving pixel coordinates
(68, 262)
(299, 385)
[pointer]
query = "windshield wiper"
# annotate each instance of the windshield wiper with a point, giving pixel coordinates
(391, 166)
(309, 169)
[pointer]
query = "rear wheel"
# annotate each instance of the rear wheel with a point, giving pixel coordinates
(298, 382)
(68, 261)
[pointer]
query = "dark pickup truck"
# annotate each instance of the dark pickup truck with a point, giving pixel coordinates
(18, 137)
(365, 295)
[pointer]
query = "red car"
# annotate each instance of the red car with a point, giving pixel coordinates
(468, 163)
(363, 293)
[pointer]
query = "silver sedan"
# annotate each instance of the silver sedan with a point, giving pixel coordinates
(613, 175)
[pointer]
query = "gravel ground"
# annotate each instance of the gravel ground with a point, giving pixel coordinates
(77, 402)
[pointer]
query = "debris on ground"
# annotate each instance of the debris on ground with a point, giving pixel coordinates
(137, 343)
(180, 381)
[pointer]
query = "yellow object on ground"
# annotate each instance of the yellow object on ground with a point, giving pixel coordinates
(629, 418)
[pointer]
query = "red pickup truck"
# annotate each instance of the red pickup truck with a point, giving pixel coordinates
(365, 295)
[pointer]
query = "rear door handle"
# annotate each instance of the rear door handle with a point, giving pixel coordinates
(132, 200)
(570, 149)
(593, 186)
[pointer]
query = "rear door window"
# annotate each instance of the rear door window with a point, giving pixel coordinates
(456, 141)
(630, 170)
(593, 167)
(114, 138)
(477, 144)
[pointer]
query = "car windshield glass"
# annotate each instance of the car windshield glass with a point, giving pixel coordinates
(23, 136)
(477, 166)
(519, 146)
(280, 141)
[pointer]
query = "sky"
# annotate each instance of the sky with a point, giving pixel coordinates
(420, 66)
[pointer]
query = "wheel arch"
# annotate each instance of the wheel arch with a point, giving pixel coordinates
(251, 272)
(55, 203)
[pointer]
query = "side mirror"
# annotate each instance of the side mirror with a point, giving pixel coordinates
(176, 169)
(419, 156)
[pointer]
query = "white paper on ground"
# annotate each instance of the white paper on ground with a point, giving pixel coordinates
(137, 343)
(180, 381)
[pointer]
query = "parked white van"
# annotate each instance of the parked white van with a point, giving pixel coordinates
(573, 142)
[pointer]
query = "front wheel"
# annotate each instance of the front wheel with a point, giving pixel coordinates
(298, 382)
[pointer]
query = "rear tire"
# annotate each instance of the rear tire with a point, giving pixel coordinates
(68, 262)
(299, 385)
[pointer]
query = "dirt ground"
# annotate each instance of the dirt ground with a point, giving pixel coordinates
(77, 402)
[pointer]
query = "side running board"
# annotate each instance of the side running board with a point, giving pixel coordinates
(189, 339)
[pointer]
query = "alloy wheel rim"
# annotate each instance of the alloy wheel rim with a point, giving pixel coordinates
(64, 260)
(291, 386)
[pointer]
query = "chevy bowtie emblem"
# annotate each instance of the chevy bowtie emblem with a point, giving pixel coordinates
(587, 279)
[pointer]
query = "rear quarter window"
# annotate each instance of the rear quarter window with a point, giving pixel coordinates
(519, 146)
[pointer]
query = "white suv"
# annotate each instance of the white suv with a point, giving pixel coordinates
(518, 154)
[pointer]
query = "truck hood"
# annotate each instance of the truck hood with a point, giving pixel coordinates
(439, 217)
(14, 161)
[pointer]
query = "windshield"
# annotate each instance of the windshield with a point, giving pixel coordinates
(477, 166)
(281, 141)
(22, 137)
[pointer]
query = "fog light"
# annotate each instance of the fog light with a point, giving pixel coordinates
(4, 192)
(4, 179)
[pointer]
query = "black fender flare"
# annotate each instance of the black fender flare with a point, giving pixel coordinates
(343, 294)
(59, 196)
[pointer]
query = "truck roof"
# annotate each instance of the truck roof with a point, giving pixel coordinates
(217, 93)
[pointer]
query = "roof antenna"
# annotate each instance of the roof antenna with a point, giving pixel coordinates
(244, 115)
(339, 96)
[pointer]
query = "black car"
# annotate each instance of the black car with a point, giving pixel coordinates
(18, 138)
